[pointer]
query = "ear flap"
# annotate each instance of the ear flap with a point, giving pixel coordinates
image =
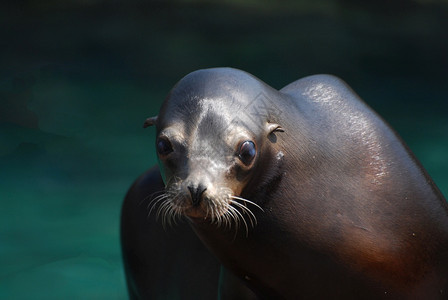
(150, 121)
(272, 127)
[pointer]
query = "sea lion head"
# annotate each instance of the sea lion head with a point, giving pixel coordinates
(214, 137)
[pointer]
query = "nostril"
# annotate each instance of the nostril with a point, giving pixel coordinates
(196, 193)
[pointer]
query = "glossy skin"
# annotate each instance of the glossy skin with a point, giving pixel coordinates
(348, 212)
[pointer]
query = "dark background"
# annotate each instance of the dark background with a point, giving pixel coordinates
(79, 77)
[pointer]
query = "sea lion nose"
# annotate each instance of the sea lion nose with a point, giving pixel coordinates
(196, 193)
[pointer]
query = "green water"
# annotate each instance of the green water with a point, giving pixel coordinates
(77, 81)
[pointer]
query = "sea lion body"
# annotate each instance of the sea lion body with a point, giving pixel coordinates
(339, 207)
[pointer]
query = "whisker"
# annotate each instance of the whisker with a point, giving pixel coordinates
(156, 200)
(161, 209)
(228, 219)
(252, 218)
(247, 201)
(219, 219)
(240, 216)
(150, 196)
(207, 211)
(175, 214)
(165, 210)
(214, 215)
(171, 216)
(232, 216)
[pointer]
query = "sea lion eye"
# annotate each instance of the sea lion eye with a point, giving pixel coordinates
(164, 146)
(247, 152)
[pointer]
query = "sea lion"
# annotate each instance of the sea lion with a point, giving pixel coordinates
(301, 193)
